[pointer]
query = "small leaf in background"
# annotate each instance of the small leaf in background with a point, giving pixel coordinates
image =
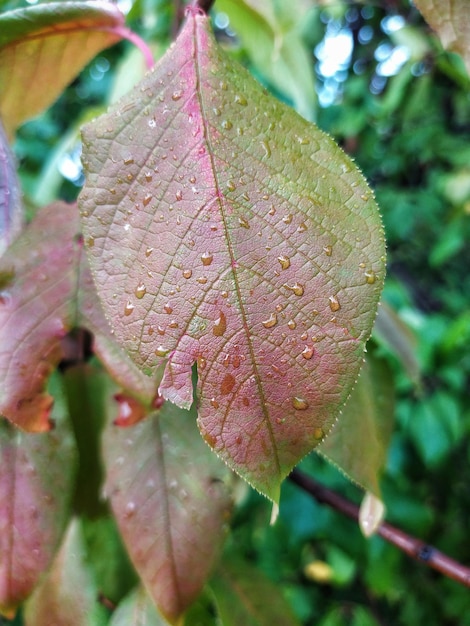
(359, 441)
(243, 595)
(449, 18)
(36, 489)
(223, 228)
(68, 595)
(137, 609)
(51, 293)
(271, 34)
(171, 504)
(11, 212)
(73, 32)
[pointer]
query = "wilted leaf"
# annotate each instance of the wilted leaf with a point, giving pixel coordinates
(51, 293)
(449, 18)
(225, 229)
(271, 34)
(67, 596)
(137, 610)
(36, 486)
(358, 443)
(11, 213)
(245, 596)
(42, 48)
(170, 502)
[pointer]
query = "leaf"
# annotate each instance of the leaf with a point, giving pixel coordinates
(245, 596)
(271, 35)
(449, 18)
(11, 213)
(170, 503)
(227, 230)
(43, 47)
(36, 486)
(137, 610)
(52, 292)
(68, 595)
(358, 443)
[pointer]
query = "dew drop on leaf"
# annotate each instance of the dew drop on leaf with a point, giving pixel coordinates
(179, 195)
(318, 433)
(334, 304)
(299, 403)
(202, 280)
(147, 199)
(187, 273)
(307, 352)
(328, 250)
(227, 384)
(176, 95)
(271, 321)
(161, 351)
(370, 277)
(296, 288)
(207, 258)
(128, 308)
(140, 291)
(214, 403)
(220, 325)
(243, 222)
(168, 308)
(302, 227)
(148, 252)
(287, 219)
(227, 125)
(291, 324)
(130, 509)
(284, 261)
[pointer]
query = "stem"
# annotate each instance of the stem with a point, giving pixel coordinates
(413, 547)
(128, 34)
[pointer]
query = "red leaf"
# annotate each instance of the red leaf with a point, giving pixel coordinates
(227, 230)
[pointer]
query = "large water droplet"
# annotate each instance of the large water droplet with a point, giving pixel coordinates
(370, 277)
(287, 219)
(128, 160)
(328, 250)
(227, 125)
(239, 99)
(302, 227)
(179, 195)
(128, 308)
(161, 351)
(220, 325)
(176, 95)
(296, 288)
(147, 199)
(307, 352)
(227, 384)
(168, 309)
(299, 403)
(187, 273)
(148, 252)
(214, 403)
(140, 291)
(291, 324)
(271, 321)
(207, 258)
(244, 223)
(284, 261)
(130, 509)
(334, 303)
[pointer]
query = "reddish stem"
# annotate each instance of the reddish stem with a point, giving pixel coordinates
(127, 33)
(413, 547)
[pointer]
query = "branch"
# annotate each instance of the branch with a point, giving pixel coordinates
(413, 547)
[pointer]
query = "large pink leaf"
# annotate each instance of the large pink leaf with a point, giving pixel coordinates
(50, 292)
(171, 504)
(36, 486)
(225, 229)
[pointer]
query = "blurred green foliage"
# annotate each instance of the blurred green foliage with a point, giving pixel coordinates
(401, 107)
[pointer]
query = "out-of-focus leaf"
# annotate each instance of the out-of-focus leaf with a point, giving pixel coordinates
(244, 595)
(392, 331)
(42, 48)
(271, 34)
(171, 504)
(68, 595)
(137, 609)
(11, 213)
(36, 488)
(449, 18)
(359, 441)
(51, 293)
(223, 228)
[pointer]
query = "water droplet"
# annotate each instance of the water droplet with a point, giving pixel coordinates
(90, 242)
(187, 273)
(241, 100)
(140, 291)
(243, 222)
(176, 95)
(160, 330)
(128, 308)
(304, 336)
(168, 309)
(318, 433)
(291, 324)
(296, 288)
(287, 219)
(284, 261)
(227, 384)
(224, 294)
(202, 280)
(299, 403)
(236, 361)
(173, 324)
(370, 277)
(302, 227)
(223, 85)
(328, 250)
(266, 148)
(334, 304)
(130, 509)
(220, 325)
(214, 403)
(271, 321)
(148, 177)
(231, 185)
(272, 211)
(201, 362)
(227, 125)
(216, 111)
(148, 252)
(147, 199)
(179, 195)
(161, 351)
(207, 258)
(128, 160)
(307, 352)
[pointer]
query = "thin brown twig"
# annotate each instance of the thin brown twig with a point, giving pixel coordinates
(412, 546)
